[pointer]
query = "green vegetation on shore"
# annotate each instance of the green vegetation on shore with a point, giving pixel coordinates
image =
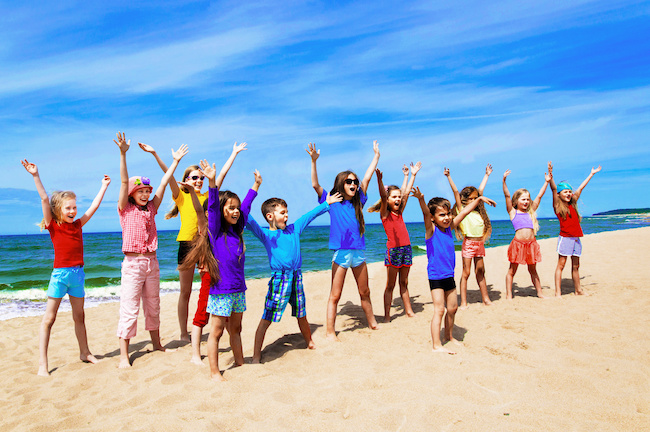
(624, 212)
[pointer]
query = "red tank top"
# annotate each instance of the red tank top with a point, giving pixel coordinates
(395, 231)
(570, 227)
(68, 243)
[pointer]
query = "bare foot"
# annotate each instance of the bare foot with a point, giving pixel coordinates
(463, 307)
(197, 361)
(582, 293)
(124, 364)
(487, 302)
(410, 314)
(185, 337)
(509, 297)
(373, 325)
(443, 350)
(332, 337)
(386, 319)
(256, 360)
(453, 341)
(218, 378)
(163, 349)
(89, 358)
(542, 296)
(42, 371)
(311, 345)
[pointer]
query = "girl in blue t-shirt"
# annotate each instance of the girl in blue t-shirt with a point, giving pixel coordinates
(346, 236)
(439, 226)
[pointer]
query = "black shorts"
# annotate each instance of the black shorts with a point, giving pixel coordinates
(183, 249)
(446, 284)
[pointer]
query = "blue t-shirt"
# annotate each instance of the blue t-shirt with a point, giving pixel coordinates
(344, 227)
(441, 254)
(283, 246)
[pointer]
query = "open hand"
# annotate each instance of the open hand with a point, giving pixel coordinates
(488, 169)
(313, 153)
(331, 199)
(415, 168)
(237, 148)
(446, 172)
(258, 177)
(30, 167)
(209, 171)
(178, 154)
(122, 143)
(416, 193)
(595, 170)
(146, 147)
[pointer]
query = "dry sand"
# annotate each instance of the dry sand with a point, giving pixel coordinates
(578, 363)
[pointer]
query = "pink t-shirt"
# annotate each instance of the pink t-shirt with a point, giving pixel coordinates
(139, 233)
(395, 231)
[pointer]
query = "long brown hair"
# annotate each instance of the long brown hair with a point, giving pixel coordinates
(56, 202)
(174, 211)
(480, 208)
(339, 186)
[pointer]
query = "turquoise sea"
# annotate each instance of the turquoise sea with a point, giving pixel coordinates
(26, 261)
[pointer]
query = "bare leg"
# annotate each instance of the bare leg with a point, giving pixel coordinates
(467, 269)
(303, 324)
(197, 334)
(438, 297)
(534, 277)
(217, 325)
(512, 270)
(51, 309)
(155, 340)
(259, 340)
(185, 277)
(561, 261)
(124, 354)
(78, 317)
(452, 307)
(234, 329)
(391, 277)
(338, 277)
(404, 290)
(575, 275)
(479, 269)
(361, 276)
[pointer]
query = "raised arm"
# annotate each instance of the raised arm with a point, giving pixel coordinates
(178, 155)
(172, 181)
(96, 202)
(371, 169)
(303, 221)
(45, 200)
(258, 181)
(428, 223)
(556, 198)
(383, 209)
(209, 171)
(202, 222)
(488, 171)
(314, 154)
(123, 145)
(454, 189)
(584, 183)
(407, 192)
(538, 199)
(469, 208)
(506, 194)
(405, 170)
(236, 149)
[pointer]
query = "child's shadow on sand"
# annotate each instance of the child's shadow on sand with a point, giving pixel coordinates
(136, 351)
(528, 291)
(566, 287)
(286, 343)
(474, 296)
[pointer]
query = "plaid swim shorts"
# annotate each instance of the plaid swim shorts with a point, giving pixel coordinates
(285, 287)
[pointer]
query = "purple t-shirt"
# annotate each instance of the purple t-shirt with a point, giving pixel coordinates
(227, 246)
(344, 227)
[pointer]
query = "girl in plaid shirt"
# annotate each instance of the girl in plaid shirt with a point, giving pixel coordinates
(140, 271)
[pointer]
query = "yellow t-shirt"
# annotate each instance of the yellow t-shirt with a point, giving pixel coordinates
(188, 215)
(472, 225)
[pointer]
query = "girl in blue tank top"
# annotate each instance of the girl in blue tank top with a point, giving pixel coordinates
(439, 225)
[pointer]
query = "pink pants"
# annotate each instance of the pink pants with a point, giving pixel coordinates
(140, 279)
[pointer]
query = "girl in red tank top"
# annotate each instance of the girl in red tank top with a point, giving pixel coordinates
(568, 244)
(399, 255)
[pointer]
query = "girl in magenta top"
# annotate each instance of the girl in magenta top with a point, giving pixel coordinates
(565, 205)
(524, 248)
(68, 276)
(399, 255)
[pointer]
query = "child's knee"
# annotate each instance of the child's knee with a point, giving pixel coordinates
(79, 317)
(48, 320)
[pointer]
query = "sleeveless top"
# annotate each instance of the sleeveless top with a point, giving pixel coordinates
(441, 254)
(472, 225)
(522, 220)
(570, 227)
(396, 232)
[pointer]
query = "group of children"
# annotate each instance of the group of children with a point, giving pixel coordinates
(211, 238)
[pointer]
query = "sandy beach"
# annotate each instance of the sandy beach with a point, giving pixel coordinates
(577, 363)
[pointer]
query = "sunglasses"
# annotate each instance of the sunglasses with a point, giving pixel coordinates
(351, 181)
(196, 178)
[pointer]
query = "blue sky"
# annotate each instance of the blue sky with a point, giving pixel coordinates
(456, 84)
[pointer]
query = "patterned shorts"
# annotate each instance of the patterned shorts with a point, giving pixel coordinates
(401, 256)
(226, 304)
(285, 287)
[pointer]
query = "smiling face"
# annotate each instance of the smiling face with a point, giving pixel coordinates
(278, 218)
(566, 195)
(523, 202)
(231, 211)
(195, 179)
(141, 196)
(442, 217)
(68, 210)
(394, 200)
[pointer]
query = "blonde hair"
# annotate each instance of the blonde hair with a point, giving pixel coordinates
(480, 208)
(377, 206)
(56, 202)
(174, 211)
(529, 210)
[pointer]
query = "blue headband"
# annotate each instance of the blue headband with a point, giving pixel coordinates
(564, 186)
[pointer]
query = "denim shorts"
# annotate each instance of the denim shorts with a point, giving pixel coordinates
(347, 258)
(67, 280)
(226, 304)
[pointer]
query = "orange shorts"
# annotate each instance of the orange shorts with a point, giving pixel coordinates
(473, 248)
(524, 252)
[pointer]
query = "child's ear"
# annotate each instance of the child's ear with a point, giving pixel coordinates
(269, 217)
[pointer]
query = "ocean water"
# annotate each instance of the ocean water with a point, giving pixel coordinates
(26, 260)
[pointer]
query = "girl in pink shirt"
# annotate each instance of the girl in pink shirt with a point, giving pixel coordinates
(68, 275)
(140, 271)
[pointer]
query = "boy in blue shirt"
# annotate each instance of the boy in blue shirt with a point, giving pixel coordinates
(282, 243)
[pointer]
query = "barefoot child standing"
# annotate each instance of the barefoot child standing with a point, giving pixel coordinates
(282, 243)
(68, 275)
(439, 226)
(140, 271)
